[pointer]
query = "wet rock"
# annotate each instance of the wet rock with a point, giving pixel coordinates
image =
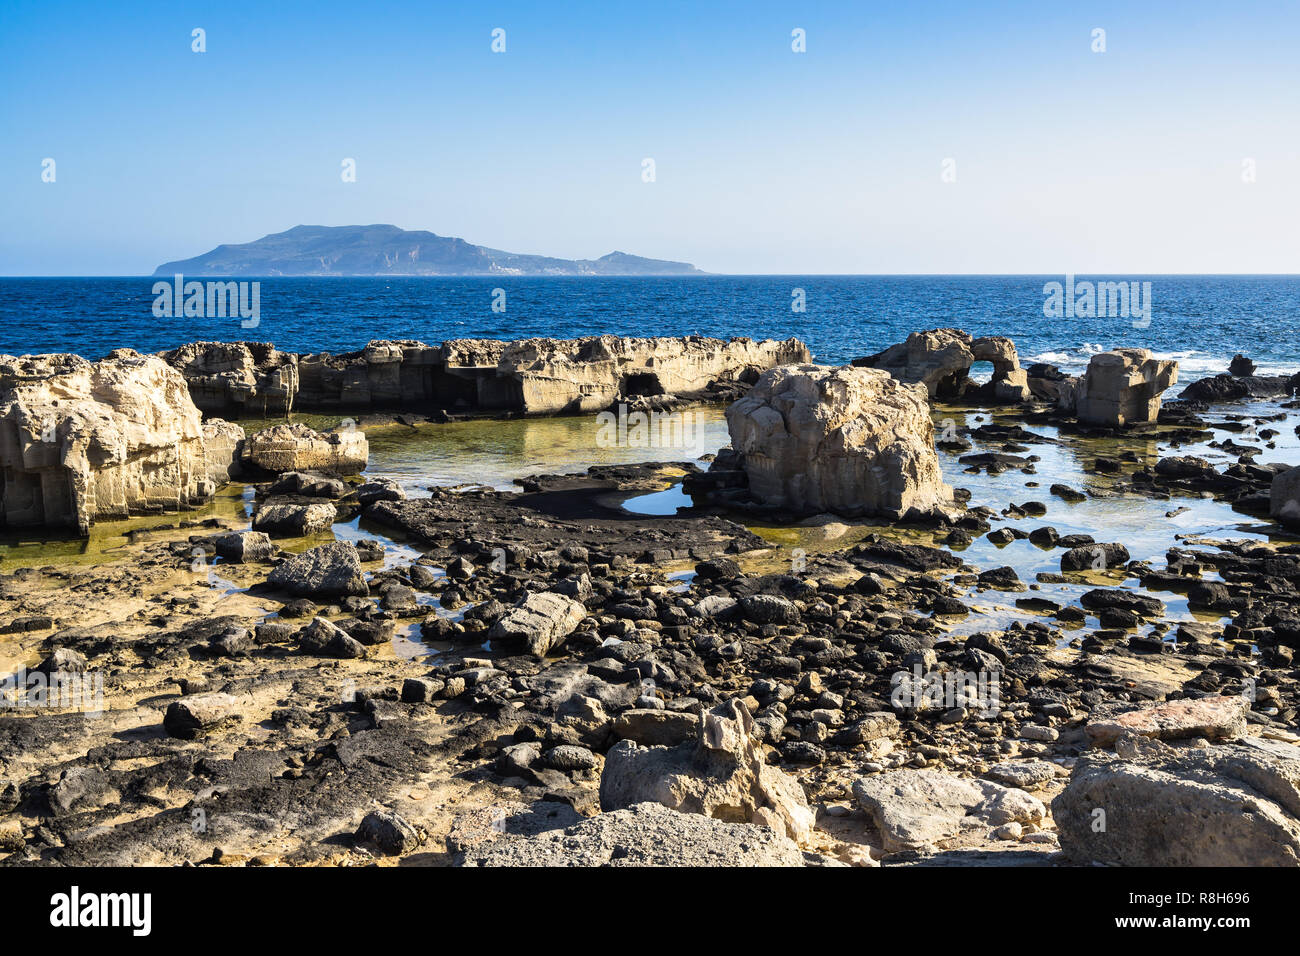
(1108, 598)
(331, 570)
(841, 440)
(1284, 498)
(303, 484)
(1001, 579)
(1213, 718)
(1094, 557)
(1066, 493)
(380, 489)
(241, 547)
(538, 624)
(646, 834)
(201, 714)
(1240, 365)
(722, 774)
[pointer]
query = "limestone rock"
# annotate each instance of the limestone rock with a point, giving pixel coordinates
(89, 441)
(914, 808)
(242, 379)
(539, 623)
(941, 360)
(287, 519)
(852, 441)
(1232, 805)
(284, 448)
(1121, 387)
(331, 570)
(721, 774)
(1215, 718)
(646, 834)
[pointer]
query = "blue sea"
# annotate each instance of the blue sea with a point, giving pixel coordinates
(1199, 320)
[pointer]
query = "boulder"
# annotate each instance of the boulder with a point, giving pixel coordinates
(941, 360)
(286, 519)
(388, 833)
(916, 808)
(1240, 365)
(1119, 388)
(83, 441)
(200, 714)
(331, 570)
(285, 448)
(1232, 805)
(539, 623)
(1214, 718)
(852, 441)
(722, 773)
(1284, 497)
(1094, 557)
(1234, 388)
(646, 834)
(241, 547)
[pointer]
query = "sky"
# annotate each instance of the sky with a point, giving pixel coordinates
(907, 138)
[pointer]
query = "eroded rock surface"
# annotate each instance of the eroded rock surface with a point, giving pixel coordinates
(296, 447)
(84, 441)
(852, 441)
(941, 360)
(1120, 387)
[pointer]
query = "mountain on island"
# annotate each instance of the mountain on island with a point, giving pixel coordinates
(383, 250)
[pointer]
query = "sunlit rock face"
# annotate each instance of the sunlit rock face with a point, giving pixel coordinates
(85, 441)
(851, 441)
(1120, 387)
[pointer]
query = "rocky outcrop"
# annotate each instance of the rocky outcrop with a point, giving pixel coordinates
(1155, 805)
(1119, 388)
(532, 376)
(296, 447)
(1213, 718)
(1228, 387)
(941, 360)
(721, 774)
(239, 379)
(851, 441)
(84, 441)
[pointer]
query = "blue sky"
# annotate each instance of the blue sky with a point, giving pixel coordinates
(767, 161)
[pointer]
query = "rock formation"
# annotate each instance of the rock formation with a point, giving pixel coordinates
(240, 379)
(721, 774)
(296, 447)
(1121, 387)
(534, 376)
(1230, 805)
(941, 360)
(84, 441)
(852, 441)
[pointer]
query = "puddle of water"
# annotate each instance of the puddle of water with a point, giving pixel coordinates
(664, 502)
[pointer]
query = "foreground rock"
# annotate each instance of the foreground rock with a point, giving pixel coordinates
(291, 448)
(941, 360)
(1121, 387)
(539, 623)
(721, 774)
(917, 808)
(331, 570)
(83, 441)
(1232, 805)
(646, 834)
(851, 441)
(1215, 718)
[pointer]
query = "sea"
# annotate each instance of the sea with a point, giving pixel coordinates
(1202, 320)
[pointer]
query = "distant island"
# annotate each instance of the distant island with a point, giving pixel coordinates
(384, 250)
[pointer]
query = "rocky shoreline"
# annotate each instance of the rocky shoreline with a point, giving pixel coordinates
(809, 667)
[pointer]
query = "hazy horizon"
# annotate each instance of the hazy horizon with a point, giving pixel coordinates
(1175, 151)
